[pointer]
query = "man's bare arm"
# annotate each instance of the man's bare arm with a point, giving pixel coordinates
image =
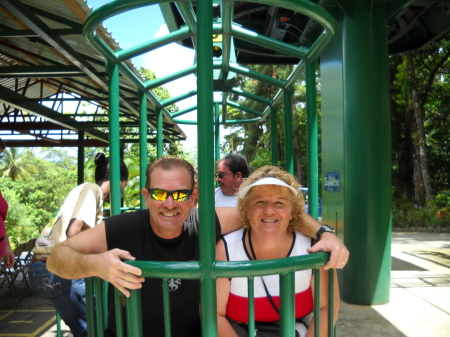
(228, 217)
(86, 255)
(328, 243)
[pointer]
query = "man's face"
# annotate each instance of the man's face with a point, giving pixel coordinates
(228, 183)
(167, 217)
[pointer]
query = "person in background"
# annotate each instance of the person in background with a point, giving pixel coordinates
(271, 211)
(230, 173)
(82, 210)
(5, 247)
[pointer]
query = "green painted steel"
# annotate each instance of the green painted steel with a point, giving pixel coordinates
(80, 163)
(251, 305)
(120, 328)
(288, 152)
(142, 142)
(134, 314)
(206, 165)
(331, 329)
(367, 154)
(287, 309)
(200, 26)
(316, 300)
(58, 325)
(166, 300)
(90, 306)
(274, 135)
(217, 131)
(159, 135)
(99, 308)
(312, 136)
(114, 137)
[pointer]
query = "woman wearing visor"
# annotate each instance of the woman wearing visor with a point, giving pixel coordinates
(270, 209)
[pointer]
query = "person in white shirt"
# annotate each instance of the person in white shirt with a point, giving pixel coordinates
(230, 173)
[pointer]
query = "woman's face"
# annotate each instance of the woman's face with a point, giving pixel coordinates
(270, 209)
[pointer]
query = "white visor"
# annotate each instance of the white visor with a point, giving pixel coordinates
(265, 181)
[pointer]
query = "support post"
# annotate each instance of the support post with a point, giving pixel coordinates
(80, 157)
(142, 96)
(312, 134)
(274, 135)
(288, 153)
(114, 136)
(159, 135)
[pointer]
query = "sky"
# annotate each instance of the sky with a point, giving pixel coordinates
(141, 25)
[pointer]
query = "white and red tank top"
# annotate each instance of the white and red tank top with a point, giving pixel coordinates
(237, 307)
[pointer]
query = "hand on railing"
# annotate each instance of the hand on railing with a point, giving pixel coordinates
(330, 243)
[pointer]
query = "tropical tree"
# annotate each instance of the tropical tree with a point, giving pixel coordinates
(16, 164)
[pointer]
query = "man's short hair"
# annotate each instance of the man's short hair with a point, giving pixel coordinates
(236, 163)
(168, 163)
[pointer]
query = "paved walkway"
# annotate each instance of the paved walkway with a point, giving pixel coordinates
(420, 298)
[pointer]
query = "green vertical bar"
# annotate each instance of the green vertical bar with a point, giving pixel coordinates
(119, 314)
(98, 294)
(114, 136)
(90, 309)
(105, 303)
(367, 147)
(217, 131)
(287, 305)
(331, 303)
(288, 153)
(159, 134)
(316, 302)
(58, 325)
(312, 133)
(80, 157)
(274, 134)
(142, 96)
(251, 306)
(205, 131)
(166, 300)
(134, 314)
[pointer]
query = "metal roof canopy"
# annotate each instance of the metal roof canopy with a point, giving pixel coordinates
(46, 64)
(411, 25)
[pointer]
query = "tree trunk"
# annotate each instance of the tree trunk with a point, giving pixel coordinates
(419, 186)
(418, 116)
(298, 154)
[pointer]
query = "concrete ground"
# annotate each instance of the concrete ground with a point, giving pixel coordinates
(419, 306)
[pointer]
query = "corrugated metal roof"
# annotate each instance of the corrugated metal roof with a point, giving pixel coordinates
(21, 94)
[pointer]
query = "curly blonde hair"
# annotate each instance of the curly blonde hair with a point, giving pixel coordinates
(269, 171)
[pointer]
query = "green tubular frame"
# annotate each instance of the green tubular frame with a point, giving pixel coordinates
(200, 27)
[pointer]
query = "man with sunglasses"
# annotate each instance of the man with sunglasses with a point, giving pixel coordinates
(166, 231)
(230, 173)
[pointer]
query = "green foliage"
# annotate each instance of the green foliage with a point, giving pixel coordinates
(34, 201)
(16, 164)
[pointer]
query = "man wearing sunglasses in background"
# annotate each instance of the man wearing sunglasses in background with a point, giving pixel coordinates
(166, 231)
(230, 173)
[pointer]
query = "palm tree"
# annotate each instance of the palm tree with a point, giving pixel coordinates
(15, 164)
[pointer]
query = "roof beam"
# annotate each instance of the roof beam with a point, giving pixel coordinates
(18, 101)
(30, 33)
(24, 14)
(44, 72)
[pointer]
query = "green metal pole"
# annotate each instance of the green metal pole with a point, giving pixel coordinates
(274, 135)
(287, 307)
(142, 142)
(288, 153)
(217, 131)
(313, 148)
(367, 154)
(206, 166)
(251, 306)
(316, 302)
(114, 136)
(134, 313)
(80, 157)
(159, 134)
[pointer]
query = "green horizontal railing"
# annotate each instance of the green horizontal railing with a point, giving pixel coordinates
(286, 268)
